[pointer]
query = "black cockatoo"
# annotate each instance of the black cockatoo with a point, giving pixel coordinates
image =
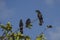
(28, 23)
(21, 26)
(39, 15)
(49, 26)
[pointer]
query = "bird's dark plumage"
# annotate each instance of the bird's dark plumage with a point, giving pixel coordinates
(28, 23)
(39, 15)
(49, 26)
(21, 26)
(21, 23)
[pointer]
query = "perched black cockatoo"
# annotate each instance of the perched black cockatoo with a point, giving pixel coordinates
(39, 15)
(28, 23)
(21, 26)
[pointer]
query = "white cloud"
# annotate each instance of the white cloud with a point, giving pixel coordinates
(50, 2)
(55, 35)
(4, 11)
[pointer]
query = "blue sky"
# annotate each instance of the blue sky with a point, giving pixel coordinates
(14, 10)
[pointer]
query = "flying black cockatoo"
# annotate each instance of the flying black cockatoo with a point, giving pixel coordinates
(21, 26)
(28, 23)
(39, 15)
(49, 26)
